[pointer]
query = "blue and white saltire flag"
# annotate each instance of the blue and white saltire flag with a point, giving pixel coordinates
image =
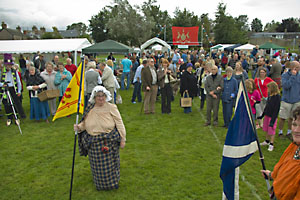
(240, 143)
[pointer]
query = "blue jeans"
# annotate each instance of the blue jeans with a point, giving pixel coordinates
(137, 92)
(127, 74)
(227, 112)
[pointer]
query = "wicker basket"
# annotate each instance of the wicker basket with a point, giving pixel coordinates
(48, 94)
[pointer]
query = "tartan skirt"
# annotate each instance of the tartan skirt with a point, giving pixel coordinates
(104, 157)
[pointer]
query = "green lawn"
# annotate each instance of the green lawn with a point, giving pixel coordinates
(166, 157)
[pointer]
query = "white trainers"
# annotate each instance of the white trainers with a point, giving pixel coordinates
(264, 143)
(271, 147)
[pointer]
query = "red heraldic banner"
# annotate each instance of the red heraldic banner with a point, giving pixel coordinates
(185, 35)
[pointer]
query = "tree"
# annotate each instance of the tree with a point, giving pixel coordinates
(127, 25)
(241, 28)
(185, 18)
(98, 25)
(256, 25)
(227, 29)
(242, 22)
(52, 35)
(161, 19)
(54, 29)
(289, 25)
(271, 27)
(208, 26)
(80, 27)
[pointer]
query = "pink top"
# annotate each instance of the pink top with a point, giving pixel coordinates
(253, 97)
(263, 87)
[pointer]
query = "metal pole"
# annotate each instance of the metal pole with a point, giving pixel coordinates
(202, 35)
(294, 43)
(165, 33)
(75, 57)
(77, 119)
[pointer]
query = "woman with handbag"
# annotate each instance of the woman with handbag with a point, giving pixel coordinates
(261, 83)
(35, 85)
(188, 85)
(165, 76)
(49, 76)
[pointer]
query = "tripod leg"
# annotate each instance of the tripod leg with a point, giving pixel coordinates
(15, 114)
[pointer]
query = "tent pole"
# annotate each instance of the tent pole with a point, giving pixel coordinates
(75, 57)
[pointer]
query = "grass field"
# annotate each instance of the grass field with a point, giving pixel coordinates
(166, 157)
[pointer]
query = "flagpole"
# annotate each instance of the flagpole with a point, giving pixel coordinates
(261, 157)
(77, 120)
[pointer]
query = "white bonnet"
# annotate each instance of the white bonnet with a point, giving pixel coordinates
(99, 89)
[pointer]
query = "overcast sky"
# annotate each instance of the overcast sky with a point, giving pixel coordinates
(61, 13)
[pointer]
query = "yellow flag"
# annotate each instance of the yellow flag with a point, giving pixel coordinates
(69, 102)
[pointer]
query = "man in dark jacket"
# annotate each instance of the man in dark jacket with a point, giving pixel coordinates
(40, 63)
(149, 86)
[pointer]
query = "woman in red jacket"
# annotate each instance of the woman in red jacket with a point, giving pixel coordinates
(261, 83)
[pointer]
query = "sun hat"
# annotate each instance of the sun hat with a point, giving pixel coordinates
(99, 89)
(8, 59)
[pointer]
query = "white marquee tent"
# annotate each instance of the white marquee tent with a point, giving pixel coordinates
(157, 47)
(44, 46)
(245, 47)
(154, 41)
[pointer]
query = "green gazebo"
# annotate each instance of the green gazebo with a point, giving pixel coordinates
(107, 46)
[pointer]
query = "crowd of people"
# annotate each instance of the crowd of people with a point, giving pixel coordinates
(272, 83)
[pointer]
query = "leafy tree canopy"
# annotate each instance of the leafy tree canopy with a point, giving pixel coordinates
(256, 25)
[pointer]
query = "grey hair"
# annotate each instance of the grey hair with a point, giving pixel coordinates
(31, 68)
(30, 63)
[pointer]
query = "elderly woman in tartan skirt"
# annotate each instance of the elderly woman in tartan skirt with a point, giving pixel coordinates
(101, 134)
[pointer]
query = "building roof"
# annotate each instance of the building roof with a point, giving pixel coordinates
(272, 34)
(69, 33)
(14, 32)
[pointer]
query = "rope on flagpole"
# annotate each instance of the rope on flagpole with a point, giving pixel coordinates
(77, 120)
(261, 157)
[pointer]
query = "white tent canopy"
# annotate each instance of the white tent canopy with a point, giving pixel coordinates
(44, 46)
(245, 47)
(154, 41)
(157, 47)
